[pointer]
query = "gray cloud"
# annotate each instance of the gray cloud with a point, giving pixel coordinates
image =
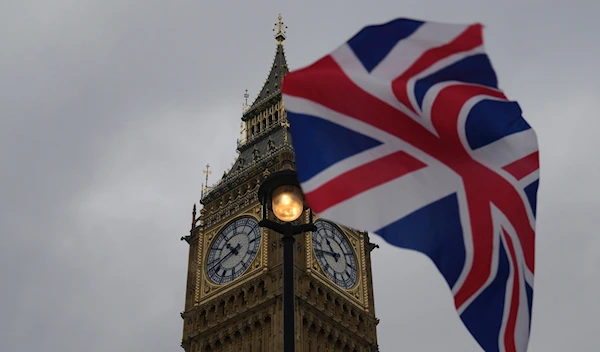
(110, 110)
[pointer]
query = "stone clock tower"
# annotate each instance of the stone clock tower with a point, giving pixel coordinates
(234, 284)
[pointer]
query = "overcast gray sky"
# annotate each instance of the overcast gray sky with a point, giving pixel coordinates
(109, 110)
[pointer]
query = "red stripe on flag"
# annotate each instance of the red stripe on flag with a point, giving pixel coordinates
(509, 333)
(361, 179)
(469, 39)
(482, 185)
(524, 166)
(325, 83)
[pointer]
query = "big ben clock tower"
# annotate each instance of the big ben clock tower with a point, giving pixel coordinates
(234, 283)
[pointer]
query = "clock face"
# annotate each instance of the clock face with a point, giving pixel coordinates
(334, 253)
(233, 250)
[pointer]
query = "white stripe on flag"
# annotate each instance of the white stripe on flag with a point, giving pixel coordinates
(529, 179)
(494, 263)
(308, 107)
(521, 335)
(305, 106)
(502, 152)
(438, 65)
(524, 275)
(348, 164)
(510, 282)
(502, 219)
(377, 87)
(404, 54)
(406, 193)
(507, 150)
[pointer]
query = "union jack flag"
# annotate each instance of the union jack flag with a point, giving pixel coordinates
(403, 131)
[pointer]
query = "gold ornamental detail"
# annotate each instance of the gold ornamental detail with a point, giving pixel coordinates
(198, 269)
(364, 273)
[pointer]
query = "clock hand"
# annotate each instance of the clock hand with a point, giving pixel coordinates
(335, 255)
(329, 244)
(222, 259)
(234, 250)
(231, 251)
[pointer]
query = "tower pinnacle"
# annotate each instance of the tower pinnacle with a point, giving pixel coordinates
(245, 106)
(280, 27)
(279, 69)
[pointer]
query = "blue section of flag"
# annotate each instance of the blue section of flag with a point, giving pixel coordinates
(330, 141)
(531, 192)
(373, 43)
(434, 230)
(483, 317)
(476, 69)
(492, 120)
(529, 291)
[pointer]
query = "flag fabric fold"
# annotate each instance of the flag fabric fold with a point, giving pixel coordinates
(402, 131)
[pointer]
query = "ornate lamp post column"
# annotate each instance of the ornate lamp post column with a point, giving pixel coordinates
(280, 192)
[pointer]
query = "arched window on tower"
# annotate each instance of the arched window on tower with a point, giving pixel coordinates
(276, 115)
(222, 308)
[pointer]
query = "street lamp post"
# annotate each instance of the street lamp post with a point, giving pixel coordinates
(281, 193)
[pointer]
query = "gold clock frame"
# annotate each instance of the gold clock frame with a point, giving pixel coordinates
(207, 289)
(358, 294)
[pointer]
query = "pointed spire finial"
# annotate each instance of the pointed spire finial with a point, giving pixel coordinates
(280, 27)
(245, 106)
(205, 186)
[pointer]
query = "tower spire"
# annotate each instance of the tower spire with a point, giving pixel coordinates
(279, 68)
(280, 27)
